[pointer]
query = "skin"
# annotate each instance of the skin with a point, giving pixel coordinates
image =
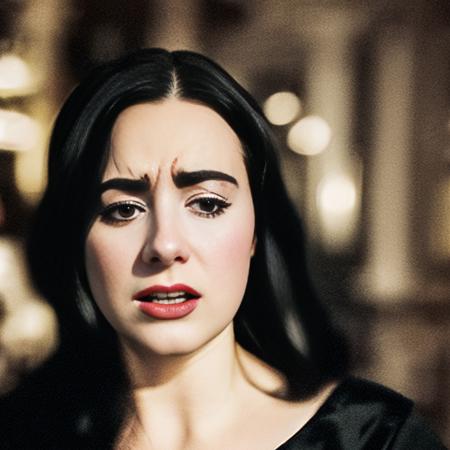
(193, 385)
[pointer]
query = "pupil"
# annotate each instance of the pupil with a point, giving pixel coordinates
(126, 210)
(208, 205)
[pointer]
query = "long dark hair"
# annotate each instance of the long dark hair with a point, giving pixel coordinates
(280, 320)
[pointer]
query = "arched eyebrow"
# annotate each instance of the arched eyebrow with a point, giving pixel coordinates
(184, 179)
(126, 185)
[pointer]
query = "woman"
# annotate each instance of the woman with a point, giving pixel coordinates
(168, 247)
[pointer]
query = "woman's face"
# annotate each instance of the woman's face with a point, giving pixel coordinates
(167, 257)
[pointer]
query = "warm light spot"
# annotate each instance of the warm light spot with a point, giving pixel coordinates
(18, 131)
(30, 174)
(29, 331)
(337, 203)
(309, 136)
(336, 195)
(15, 76)
(282, 108)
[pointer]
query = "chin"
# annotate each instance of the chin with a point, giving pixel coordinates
(183, 341)
(172, 348)
(164, 344)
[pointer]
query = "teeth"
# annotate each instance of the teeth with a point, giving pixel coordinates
(168, 297)
(171, 301)
(164, 295)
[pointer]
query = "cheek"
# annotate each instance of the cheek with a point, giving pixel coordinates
(106, 261)
(228, 272)
(235, 248)
(229, 252)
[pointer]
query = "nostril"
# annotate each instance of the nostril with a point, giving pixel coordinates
(160, 259)
(165, 251)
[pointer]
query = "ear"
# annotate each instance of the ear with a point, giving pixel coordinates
(252, 252)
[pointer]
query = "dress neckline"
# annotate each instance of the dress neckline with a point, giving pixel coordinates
(334, 394)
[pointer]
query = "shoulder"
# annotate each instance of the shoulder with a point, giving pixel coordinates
(360, 414)
(369, 399)
(416, 434)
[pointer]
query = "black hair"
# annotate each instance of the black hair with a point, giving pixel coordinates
(280, 320)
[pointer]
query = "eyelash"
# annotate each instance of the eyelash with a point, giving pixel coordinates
(218, 203)
(107, 213)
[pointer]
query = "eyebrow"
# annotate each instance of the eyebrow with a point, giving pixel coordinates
(181, 179)
(184, 179)
(125, 184)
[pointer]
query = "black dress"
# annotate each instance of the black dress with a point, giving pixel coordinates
(363, 415)
(358, 415)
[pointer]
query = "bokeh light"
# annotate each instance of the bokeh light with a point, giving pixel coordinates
(15, 76)
(337, 201)
(18, 131)
(282, 108)
(311, 135)
(336, 195)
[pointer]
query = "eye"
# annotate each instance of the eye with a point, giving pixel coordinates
(208, 206)
(121, 212)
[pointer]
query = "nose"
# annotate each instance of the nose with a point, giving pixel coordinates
(165, 242)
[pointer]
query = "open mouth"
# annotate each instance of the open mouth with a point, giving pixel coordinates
(167, 302)
(168, 298)
(167, 295)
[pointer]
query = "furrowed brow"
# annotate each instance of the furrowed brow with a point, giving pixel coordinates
(125, 184)
(184, 179)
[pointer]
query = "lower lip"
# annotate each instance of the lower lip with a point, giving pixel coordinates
(167, 311)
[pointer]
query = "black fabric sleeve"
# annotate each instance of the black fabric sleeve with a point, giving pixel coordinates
(415, 434)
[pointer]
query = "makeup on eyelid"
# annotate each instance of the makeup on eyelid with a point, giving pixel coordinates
(120, 211)
(209, 204)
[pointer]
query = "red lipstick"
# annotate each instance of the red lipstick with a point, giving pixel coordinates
(167, 302)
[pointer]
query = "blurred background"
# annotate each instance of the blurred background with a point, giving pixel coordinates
(358, 93)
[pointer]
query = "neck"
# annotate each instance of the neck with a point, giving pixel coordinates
(185, 387)
(195, 396)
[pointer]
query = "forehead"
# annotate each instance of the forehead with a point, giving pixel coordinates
(149, 137)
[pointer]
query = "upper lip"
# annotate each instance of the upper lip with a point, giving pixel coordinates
(165, 289)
